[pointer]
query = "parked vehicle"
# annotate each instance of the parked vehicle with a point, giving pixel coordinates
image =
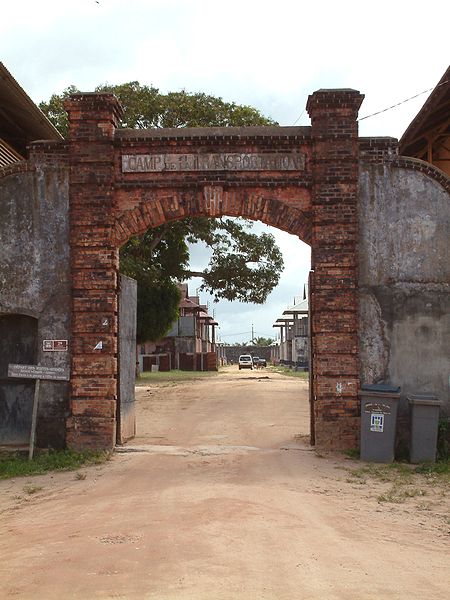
(245, 362)
(262, 362)
(256, 361)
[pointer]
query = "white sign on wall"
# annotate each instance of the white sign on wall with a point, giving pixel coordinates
(38, 372)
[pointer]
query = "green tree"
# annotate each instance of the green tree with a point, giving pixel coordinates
(262, 341)
(242, 266)
(145, 106)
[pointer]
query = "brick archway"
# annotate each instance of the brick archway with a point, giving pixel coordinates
(212, 201)
(303, 180)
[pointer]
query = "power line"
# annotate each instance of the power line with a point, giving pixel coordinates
(379, 112)
(299, 117)
(230, 334)
(403, 101)
(246, 333)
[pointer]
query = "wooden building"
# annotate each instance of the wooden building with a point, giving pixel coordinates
(21, 121)
(428, 135)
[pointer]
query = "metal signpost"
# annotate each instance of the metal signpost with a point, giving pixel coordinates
(37, 372)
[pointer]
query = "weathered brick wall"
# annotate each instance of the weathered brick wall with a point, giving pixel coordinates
(316, 200)
(403, 293)
(334, 281)
(279, 198)
(94, 267)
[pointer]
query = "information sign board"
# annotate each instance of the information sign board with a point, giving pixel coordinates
(38, 372)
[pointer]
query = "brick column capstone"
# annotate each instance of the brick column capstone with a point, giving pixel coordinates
(334, 282)
(94, 266)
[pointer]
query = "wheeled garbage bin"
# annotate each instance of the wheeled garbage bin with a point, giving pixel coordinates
(379, 404)
(424, 411)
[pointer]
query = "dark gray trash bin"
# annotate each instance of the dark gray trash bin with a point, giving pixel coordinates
(379, 404)
(424, 410)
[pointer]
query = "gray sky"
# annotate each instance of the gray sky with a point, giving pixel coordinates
(271, 55)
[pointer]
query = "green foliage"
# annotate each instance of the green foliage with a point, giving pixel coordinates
(17, 465)
(283, 370)
(352, 453)
(157, 307)
(145, 106)
(442, 467)
(55, 112)
(443, 439)
(170, 378)
(243, 266)
(262, 341)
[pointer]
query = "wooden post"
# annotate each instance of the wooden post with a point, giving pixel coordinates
(37, 372)
(34, 418)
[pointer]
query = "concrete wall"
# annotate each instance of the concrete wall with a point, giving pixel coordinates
(34, 281)
(232, 353)
(183, 326)
(404, 281)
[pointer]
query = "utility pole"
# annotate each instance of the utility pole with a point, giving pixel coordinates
(253, 334)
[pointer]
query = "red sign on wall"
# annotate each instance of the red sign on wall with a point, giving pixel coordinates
(55, 345)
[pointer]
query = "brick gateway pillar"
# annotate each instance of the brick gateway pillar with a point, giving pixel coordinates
(94, 266)
(334, 257)
(95, 158)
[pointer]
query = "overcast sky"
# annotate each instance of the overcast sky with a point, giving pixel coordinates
(269, 54)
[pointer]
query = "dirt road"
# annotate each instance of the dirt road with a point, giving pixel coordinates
(222, 499)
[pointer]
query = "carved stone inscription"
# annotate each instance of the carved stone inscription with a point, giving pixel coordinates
(286, 161)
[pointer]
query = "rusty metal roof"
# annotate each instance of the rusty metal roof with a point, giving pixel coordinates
(434, 114)
(21, 121)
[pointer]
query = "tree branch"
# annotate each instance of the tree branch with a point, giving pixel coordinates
(155, 241)
(195, 274)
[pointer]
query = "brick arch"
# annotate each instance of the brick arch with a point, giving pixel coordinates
(212, 201)
(301, 180)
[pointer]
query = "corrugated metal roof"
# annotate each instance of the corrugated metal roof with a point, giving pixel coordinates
(8, 155)
(21, 121)
(299, 308)
(434, 112)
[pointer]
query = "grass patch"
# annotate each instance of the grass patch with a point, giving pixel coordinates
(173, 376)
(386, 473)
(398, 494)
(440, 469)
(289, 372)
(32, 489)
(352, 453)
(406, 481)
(17, 465)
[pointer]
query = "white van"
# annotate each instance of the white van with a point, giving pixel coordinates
(245, 362)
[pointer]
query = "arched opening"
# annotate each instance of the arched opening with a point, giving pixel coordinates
(185, 347)
(18, 345)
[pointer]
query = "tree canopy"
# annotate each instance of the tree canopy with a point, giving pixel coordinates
(262, 341)
(145, 107)
(242, 266)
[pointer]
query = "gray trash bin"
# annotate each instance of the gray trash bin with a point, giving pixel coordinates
(424, 411)
(379, 404)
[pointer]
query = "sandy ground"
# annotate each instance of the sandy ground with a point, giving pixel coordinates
(221, 498)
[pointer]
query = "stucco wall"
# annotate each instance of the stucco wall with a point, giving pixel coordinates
(404, 281)
(34, 277)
